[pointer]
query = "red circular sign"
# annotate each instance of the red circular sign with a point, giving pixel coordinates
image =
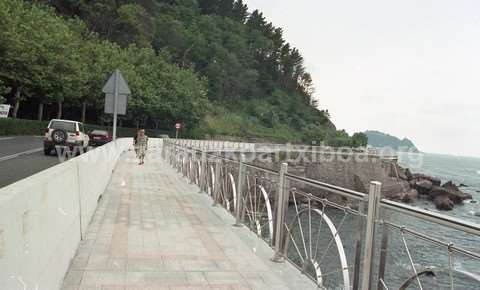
(178, 126)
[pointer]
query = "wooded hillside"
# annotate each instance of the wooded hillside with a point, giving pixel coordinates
(210, 64)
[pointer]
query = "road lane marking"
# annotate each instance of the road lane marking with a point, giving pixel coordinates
(6, 138)
(5, 158)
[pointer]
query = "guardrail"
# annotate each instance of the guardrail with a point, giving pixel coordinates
(339, 238)
(228, 146)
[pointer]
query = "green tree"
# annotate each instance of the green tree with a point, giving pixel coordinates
(184, 60)
(133, 26)
(359, 140)
(3, 90)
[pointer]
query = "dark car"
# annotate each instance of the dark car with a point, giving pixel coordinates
(99, 137)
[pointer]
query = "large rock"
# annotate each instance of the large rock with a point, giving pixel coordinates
(358, 184)
(423, 186)
(442, 202)
(450, 186)
(409, 196)
(456, 196)
(400, 172)
(393, 187)
(435, 181)
(409, 174)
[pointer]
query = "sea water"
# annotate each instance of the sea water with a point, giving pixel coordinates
(459, 169)
(424, 254)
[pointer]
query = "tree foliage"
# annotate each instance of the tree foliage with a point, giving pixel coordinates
(184, 60)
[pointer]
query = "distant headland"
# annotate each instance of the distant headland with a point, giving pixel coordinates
(380, 139)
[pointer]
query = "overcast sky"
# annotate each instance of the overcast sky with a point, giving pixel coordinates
(410, 68)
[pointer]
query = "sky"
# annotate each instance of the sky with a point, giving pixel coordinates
(409, 68)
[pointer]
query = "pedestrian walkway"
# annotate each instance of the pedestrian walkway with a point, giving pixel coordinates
(152, 230)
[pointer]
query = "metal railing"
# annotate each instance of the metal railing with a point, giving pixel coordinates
(339, 238)
(226, 146)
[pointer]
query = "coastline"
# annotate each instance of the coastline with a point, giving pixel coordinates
(459, 169)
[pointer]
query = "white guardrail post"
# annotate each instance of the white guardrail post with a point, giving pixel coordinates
(241, 180)
(374, 197)
(282, 206)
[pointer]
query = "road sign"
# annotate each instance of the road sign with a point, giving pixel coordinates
(177, 127)
(121, 104)
(122, 85)
(117, 90)
(4, 109)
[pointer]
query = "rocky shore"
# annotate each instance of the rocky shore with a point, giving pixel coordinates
(444, 196)
(398, 183)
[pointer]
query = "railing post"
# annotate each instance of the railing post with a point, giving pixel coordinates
(241, 180)
(383, 255)
(374, 197)
(164, 144)
(358, 248)
(190, 167)
(203, 167)
(216, 189)
(184, 163)
(180, 160)
(282, 206)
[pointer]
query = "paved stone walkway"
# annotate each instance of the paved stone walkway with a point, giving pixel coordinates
(153, 230)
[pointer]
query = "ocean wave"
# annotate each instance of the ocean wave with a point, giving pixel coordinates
(472, 275)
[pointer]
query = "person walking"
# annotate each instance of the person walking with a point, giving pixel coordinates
(140, 143)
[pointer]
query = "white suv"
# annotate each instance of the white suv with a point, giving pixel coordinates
(65, 133)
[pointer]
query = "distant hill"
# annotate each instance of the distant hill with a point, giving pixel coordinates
(379, 139)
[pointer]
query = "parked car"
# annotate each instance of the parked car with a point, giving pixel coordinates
(64, 133)
(99, 137)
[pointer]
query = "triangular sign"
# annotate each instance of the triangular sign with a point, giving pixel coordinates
(123, 88)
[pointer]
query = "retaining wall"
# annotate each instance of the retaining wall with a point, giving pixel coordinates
(43, 217)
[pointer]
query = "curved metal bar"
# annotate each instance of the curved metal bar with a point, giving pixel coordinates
(251, 207)
(198, 172)
(337, 239)
(432, 273)
(408, 282)
(234, 190)
(269, 211)
(211, 180)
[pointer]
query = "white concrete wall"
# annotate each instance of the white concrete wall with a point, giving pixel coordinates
(42, 218)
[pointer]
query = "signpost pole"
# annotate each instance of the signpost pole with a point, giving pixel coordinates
(115, 101)
(177, 127)
(116, 91)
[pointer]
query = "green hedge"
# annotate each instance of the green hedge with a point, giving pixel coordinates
(17, 127)
(14, 127)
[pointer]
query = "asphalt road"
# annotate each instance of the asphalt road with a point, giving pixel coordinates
(21, 157)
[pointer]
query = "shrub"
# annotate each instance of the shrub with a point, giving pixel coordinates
(17, 127)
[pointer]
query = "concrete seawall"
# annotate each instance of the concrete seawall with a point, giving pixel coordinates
(43, 217)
